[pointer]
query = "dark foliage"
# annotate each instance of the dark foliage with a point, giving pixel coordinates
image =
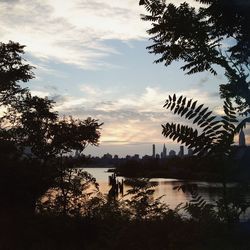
(29, 123)
(30, 120)
(197, 37)
(171, 231)
(12, 70)
(215, 136)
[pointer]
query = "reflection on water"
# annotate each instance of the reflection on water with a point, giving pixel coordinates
(209, 191)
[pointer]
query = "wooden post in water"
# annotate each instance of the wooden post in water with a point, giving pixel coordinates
(114, 190)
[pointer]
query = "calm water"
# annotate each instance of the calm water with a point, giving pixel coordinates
(209, 191)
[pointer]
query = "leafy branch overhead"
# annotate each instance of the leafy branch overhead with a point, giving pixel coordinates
(216, 34)
(30, 121)
(213, 135)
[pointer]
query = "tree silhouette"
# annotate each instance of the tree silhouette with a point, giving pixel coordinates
(30, 121)
(13, 70)
(213, 136)
(76, 134)
(216, 34)
(70, 193)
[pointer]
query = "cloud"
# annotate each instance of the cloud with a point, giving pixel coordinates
(132, 118)
(40, 93)
(89, 90)
(93, 92)
(72, 32)
(152, 99)
(51, 88)
(129, 119)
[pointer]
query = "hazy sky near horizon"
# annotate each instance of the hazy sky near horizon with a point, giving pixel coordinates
(91, 58)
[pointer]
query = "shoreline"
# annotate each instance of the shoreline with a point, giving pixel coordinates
(157, 173)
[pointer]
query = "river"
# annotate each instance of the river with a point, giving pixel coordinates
(210, 191)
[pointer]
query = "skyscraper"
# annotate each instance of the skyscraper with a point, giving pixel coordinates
(181, 152)
(153, 155)
(190, 152)
(242, 140)
(172, 153)
(164, 152)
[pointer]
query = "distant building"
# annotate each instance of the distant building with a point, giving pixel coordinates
(157, 156)
(128, 157)
(164, 152)
(77, 154)
(146, 157)
(242, 140)
(136, 157)
(172, 153)
(153, 155)
(242, 158)
(181, 152)
(190, 152)
(107, 156)
(115, 159)
(27, 152)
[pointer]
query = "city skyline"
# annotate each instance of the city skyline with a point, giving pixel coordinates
(92, 60)
(161, 153)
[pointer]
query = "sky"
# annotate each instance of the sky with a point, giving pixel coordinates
(91, 58)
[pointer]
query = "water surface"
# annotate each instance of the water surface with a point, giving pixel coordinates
(210, 191)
